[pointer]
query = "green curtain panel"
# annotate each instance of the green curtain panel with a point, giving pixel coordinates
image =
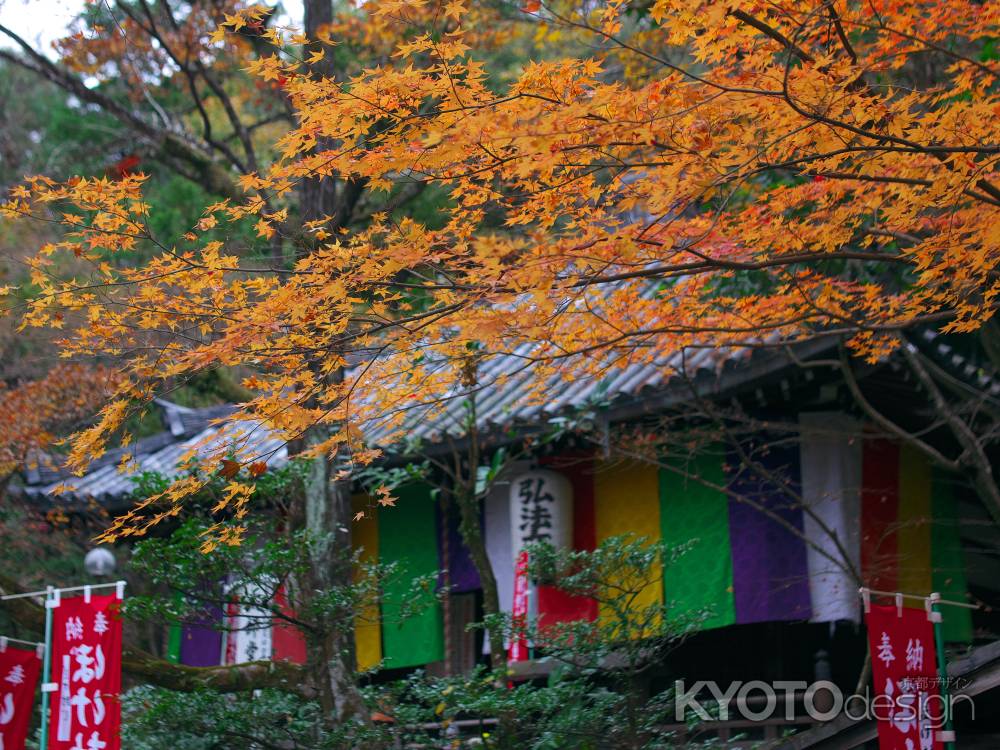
(174, 633)
(702, 578)
(948, 562)
(407, 533)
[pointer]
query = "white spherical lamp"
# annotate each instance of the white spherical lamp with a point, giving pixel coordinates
(99, 562)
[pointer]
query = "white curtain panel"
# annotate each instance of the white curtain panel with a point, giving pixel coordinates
(830, 451)
(248, 635)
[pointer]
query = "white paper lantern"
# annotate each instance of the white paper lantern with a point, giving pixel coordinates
(541, 509)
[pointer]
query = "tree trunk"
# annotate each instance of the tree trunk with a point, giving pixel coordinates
(328, 521)
(325, 197)
(472, 534)
(327, 511)
(317, 195)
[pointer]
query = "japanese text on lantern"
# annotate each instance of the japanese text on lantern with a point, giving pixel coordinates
(86, 670)
(907, 706)
(536, 510)
(19, 670)
(541, 509)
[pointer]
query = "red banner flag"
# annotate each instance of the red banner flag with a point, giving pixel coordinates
(518, 650)
(19, 670)
(907, 701)
(87, 672)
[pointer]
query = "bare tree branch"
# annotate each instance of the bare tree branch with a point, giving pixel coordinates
(212, 175)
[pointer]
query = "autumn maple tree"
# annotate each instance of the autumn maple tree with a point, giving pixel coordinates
(602, 208)
(663, 175)
(713, 175)
(35, 413)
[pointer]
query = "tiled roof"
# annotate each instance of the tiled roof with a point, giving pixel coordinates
(502, 382)
(500, 405)
(199, 429)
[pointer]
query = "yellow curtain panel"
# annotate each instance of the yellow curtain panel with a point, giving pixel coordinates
(367, 628)
(627, 501)
(914, 523)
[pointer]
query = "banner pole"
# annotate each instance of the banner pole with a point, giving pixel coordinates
(948, 733)
(46, 671)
